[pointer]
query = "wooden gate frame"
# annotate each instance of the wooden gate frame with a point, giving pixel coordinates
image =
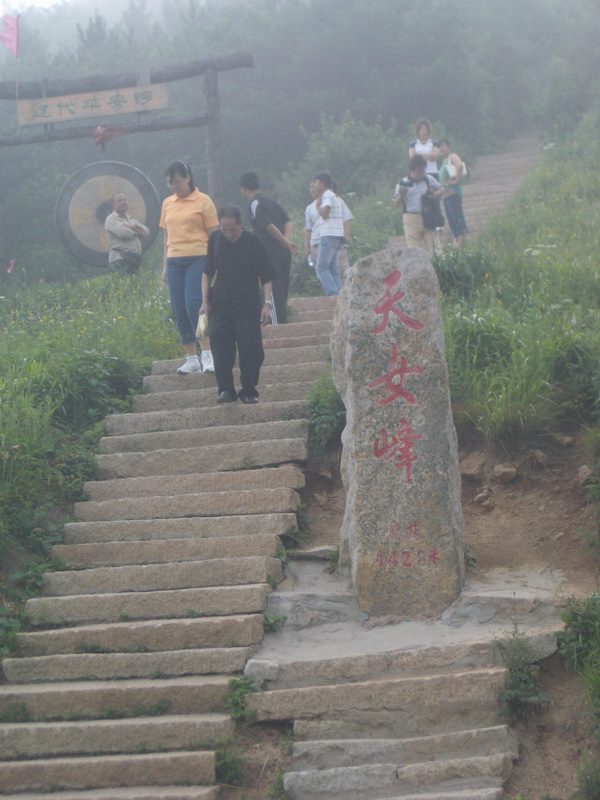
(33, 90)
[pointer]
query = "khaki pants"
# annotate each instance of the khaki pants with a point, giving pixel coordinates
(416, 234)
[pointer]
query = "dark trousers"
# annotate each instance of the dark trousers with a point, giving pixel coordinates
(282, 263)
(228, 330)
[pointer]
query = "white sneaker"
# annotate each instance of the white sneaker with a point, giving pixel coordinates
(189, 367)
(207, 361)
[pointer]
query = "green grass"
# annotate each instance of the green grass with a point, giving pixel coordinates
(69, 355)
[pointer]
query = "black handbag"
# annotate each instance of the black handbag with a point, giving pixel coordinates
(431, 211)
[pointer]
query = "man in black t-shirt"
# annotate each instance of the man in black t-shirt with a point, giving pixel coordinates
(273, 227)
(239, 261)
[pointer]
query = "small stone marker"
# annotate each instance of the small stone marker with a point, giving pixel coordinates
(402, 535)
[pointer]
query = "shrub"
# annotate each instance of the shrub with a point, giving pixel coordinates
(521, 694)
(229, 764)
(327, 415)
(580, 637)
(235, 697)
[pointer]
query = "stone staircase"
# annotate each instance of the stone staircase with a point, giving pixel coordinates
(119, 688)
(402, 709)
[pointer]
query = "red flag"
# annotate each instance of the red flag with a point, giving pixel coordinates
(10, 35)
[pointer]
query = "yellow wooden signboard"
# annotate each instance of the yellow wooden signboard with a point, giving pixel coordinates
(93, 104)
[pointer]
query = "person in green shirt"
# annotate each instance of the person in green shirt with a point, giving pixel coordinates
(451, 173)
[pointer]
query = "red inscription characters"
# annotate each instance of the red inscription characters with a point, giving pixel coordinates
(394, 379)
(411, 532)
(398, 445)
(385, 306)
(408, 559)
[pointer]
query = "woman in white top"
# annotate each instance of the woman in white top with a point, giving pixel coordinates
(425, 146)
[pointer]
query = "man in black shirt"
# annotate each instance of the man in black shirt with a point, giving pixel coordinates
(239, 260)
(273, 227)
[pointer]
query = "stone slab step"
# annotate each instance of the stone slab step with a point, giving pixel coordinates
(301, 341)
(295, 330)
(126, 698)
(205, 382)
(212, 458)
(188, 792)
(88, 608)
(156, 577)
(205, 504)
(145, 772)
(172, 398)
(488, 793)
(309, 316)
(228, 414)
(109, 666)
(295, 355)
(198, 437)
(239, 630)
(311, 303)
(429, 704)
(173, 732)
(391, 664)
(112, 554)
(356, 783)
(325, 754)
(160, 485)
(297, 670)
(198, 527)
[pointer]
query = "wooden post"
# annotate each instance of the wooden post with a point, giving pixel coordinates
(214, 159)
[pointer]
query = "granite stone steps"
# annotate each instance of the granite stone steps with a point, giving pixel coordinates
(187, 792)
(195, 483)
(237, 630)
(144, 773)
(295, 355)
(117, 698)
(109, 666)
(162, 604)
(176, 398)
(201, 436)
(196, 417)
(209, 458)
(201, 527)
(203, 504)
(31, 740)
(113, 554)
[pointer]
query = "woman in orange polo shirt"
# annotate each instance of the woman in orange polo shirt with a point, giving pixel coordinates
(188, 218)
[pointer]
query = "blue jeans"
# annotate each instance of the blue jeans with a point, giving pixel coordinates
(454, 212)
(184, 279)
(327, 264)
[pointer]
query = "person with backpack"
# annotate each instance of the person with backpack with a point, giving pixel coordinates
(410, 193)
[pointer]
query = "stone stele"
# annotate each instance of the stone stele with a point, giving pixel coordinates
(402, 534)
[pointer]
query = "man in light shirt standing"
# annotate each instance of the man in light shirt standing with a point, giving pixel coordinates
(312, 231)
(124, 237)
(329, 209)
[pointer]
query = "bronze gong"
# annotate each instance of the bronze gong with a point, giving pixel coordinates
(84, 203)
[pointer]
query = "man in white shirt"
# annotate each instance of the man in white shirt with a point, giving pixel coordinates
(312, 231)
(329, 209)
(124, 237)
(409, 193)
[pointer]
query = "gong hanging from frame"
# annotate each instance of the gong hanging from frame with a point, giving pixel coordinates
(84, 202)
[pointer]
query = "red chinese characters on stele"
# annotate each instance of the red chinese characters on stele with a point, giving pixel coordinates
(398, 445)
(409, 559)
(393, 380)
(385, 306)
